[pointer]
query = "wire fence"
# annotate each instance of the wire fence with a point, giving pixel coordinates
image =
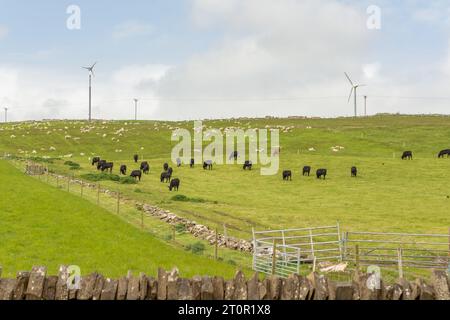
(283, 252)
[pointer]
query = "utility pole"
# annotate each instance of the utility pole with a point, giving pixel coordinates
(135, 108)
(365, 106)
(6, 115)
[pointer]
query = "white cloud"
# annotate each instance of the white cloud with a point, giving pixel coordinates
(132, 29)
(35, 93)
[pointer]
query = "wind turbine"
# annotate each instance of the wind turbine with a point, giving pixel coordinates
(135, 108)
(6, 115)
(353, 90)
(91, 74)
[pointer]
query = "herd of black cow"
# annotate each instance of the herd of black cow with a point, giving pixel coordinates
(174, 184)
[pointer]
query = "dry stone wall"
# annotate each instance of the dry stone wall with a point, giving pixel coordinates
(38, 285)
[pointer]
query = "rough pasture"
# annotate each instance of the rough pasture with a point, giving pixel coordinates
(389, 194)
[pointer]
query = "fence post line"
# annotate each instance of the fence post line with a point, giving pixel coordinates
(400, 262)
(216, 245)
(340, 242)
(98, 194)
(254, 249)
(274, 257)
(357, 258)
(118, 202)
(312, 242)
(225, 233)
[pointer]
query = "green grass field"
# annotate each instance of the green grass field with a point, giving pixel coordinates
(42, 225)
(389, 194)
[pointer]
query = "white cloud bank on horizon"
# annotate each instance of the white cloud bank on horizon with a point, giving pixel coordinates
(275, 58)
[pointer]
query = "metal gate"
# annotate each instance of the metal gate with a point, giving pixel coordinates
(282, 252)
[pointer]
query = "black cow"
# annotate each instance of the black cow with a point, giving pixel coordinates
(321, 173)
(192, 163)
(234, 155)
(100, 164)
(248, 165)
(407, 155)
(287, 175)
(136, 158)
(145, 167)
(137, 174)
(174, 184)
(354, 172)
(166, 166)
(165, 177)
(306, 171)
(170, 171)
(107, 166)
(444, 153)
(95, 160)
(123, 169)
(208, 164)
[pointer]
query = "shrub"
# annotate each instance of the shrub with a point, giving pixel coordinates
(197, 248)
(180, 228)
(183, 198)
(100, 177)
(128, 180)
(72, 165)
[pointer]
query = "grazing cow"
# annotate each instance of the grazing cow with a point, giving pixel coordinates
(123, 170)
(100, 164)
(248, 165)
(136, 158)
(234, 155)
(145, 167)
(354, 172)
(95, 160)
(170, 171)
(178, 162)
(287, 175)
(321, 173)
(174, 184)
(166, 166)
(306, 171)
(165, 177)
(192, 163)
(136, 174)
(444, 153)
(407, 155)
(107, 166)
(208, 164)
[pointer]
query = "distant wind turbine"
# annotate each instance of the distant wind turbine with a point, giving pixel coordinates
(353, 90)
(135, 108)
(91, 74)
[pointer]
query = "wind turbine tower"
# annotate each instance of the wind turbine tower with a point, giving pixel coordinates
(135, 108)
(6, 115)
(353, 91)
(91, 74)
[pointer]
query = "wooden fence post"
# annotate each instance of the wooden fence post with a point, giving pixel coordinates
(400, 262)
(216, 245)
(357, 258)
(98, 194)
(118, 202)
(225, 234)
(274, 257)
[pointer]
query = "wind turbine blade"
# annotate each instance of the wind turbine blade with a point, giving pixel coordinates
(350, 96)
(350, 80)
(362, 85)
(94, 65)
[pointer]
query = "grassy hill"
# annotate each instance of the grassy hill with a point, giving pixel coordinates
(389, 195)
(41, 225)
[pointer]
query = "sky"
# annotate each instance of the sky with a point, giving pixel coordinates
(198, 59)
